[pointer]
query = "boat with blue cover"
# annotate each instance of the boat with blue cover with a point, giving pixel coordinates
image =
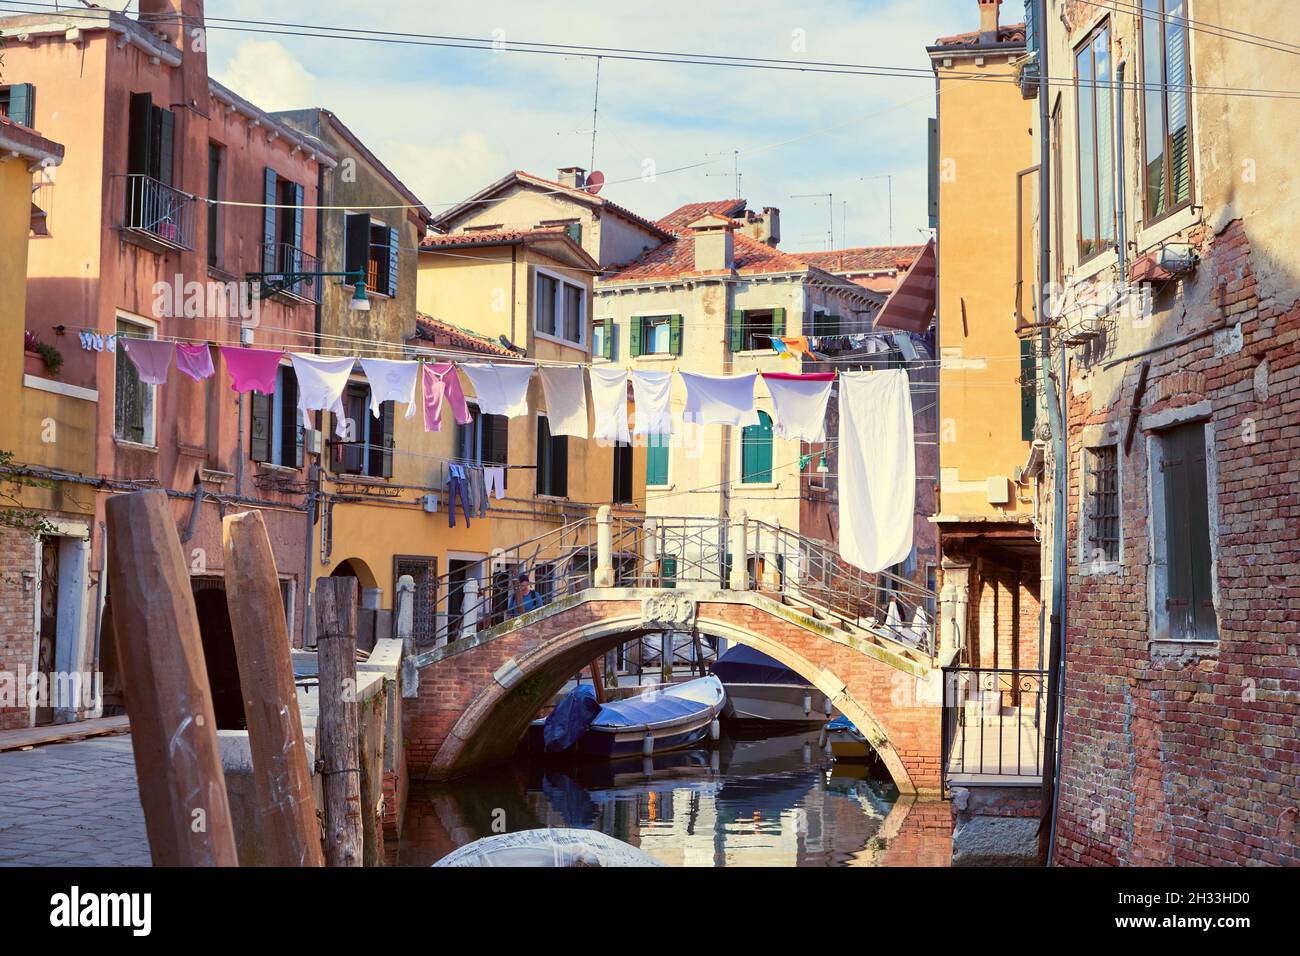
(760, 687)
(668, 718)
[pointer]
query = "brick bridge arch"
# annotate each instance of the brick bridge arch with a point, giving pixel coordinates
(474, 698)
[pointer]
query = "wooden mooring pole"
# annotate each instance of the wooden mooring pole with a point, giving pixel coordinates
(286, 806)
(336, 648)
(160, 656)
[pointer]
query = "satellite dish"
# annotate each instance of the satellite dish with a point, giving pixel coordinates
(595, 180)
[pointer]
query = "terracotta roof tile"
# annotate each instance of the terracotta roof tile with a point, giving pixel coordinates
(863, 258)
(448, 336)
(1011, 33)
(683, 216)
(488, 237)
(677, 258)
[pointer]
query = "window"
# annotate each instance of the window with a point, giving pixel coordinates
(485, 440)
(367, 448)
(277, 429)
(823, 323)
(552, 461)
(150, 138)
(1095, 130)
(756, 451)
(656, 460)
(1101, 514)
(656, 335)
(214, 211)
(622, 494)
(1187, 565)
(602, 339)
(1028, 389)
(752, 329)
(424, 574)
(371, 248)
(18, 102)
(133, 400)
(1166, 108)
(561, 309)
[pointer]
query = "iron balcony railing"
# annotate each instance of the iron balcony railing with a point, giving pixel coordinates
(286, 258)
(993, 723)
(162, 215)
(685, 552)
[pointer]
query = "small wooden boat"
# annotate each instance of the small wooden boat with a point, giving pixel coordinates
(550, 847)
(761, 688)
(847, 742)
(669, 718)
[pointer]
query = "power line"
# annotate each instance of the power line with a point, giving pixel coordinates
(1201, 26)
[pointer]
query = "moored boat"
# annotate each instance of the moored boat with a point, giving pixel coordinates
(762, 688)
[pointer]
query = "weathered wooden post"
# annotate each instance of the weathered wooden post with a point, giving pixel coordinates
(286, 806)
(336, 645)
(160, 656)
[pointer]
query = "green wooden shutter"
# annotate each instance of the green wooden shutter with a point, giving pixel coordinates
(675, 334)
(735, 331)
(269, 181)
(392, 262)
(607, 349)
(756, 451)
(656, 460)
(778, 321)
(635, 327)
(1028, 389)
(22, 103)
(260, 429)
(386, 438)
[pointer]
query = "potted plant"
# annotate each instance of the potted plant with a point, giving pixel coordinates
(38, 358)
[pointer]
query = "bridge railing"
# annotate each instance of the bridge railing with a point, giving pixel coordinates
(993, 724)
(675, 552)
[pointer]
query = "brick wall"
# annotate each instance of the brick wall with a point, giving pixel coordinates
(1193, 759)
(17, 616)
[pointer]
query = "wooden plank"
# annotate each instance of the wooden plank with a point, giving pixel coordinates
(27, 737)
(286, 806)
(160, 655)
(336, 653)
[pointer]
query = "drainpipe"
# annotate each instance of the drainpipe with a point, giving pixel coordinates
(1056, 419)
(1121, 204)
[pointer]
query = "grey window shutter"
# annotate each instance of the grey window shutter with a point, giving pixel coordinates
(933, 168)
(1201, 577)
(543, 456)
(260, 428)
(166, 144)
(386, 438)
(140, 134)
(560, 465)
(22, 103)
(356, 243)
(268, 221)
(392, 262)
(607, 345)
(297, 229)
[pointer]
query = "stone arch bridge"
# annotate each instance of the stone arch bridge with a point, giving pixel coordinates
(864, 640)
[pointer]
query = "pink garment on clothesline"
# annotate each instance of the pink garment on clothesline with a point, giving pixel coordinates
(441, 382)
(151, 358)
(195, 361)
(252, 370)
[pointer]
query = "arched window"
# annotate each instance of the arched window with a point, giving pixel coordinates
(756, 451)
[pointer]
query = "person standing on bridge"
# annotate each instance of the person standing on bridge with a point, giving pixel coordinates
(523, 598)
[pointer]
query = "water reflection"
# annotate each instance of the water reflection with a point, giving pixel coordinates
(775, 801)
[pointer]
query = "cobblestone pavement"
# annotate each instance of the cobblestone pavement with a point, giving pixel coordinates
(72, 804)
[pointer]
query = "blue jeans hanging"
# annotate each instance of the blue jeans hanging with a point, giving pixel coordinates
(457, 485)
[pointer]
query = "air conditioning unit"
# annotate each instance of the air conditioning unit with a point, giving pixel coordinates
(312, 440)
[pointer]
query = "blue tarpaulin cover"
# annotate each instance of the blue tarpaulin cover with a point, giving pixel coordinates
(744, 665)
(570, 719)
(650, 709)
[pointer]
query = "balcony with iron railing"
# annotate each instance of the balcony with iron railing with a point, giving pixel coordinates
(154, 214)
(289, 260)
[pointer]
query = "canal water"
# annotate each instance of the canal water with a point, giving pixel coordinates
(774, 801)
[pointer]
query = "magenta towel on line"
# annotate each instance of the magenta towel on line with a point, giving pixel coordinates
(152, 358)
(252, 370)
(195, 361)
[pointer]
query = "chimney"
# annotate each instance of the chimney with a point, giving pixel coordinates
(989, 20)
(182, 23)
(766, 228)
(575, 177)
(714, 244)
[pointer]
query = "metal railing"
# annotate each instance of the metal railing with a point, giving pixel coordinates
(288, 258)
(993, 721)
(156, 211)
(683, 552)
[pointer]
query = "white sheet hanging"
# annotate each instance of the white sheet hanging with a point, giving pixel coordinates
(609, 401)
(650, 392)
(719, 399)
(391, 380)
(799, 403)
(500, 389)
(320, 387)
(877, 469)
(566, 400)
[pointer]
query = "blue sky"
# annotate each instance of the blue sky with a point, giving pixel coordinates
(449, 121)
